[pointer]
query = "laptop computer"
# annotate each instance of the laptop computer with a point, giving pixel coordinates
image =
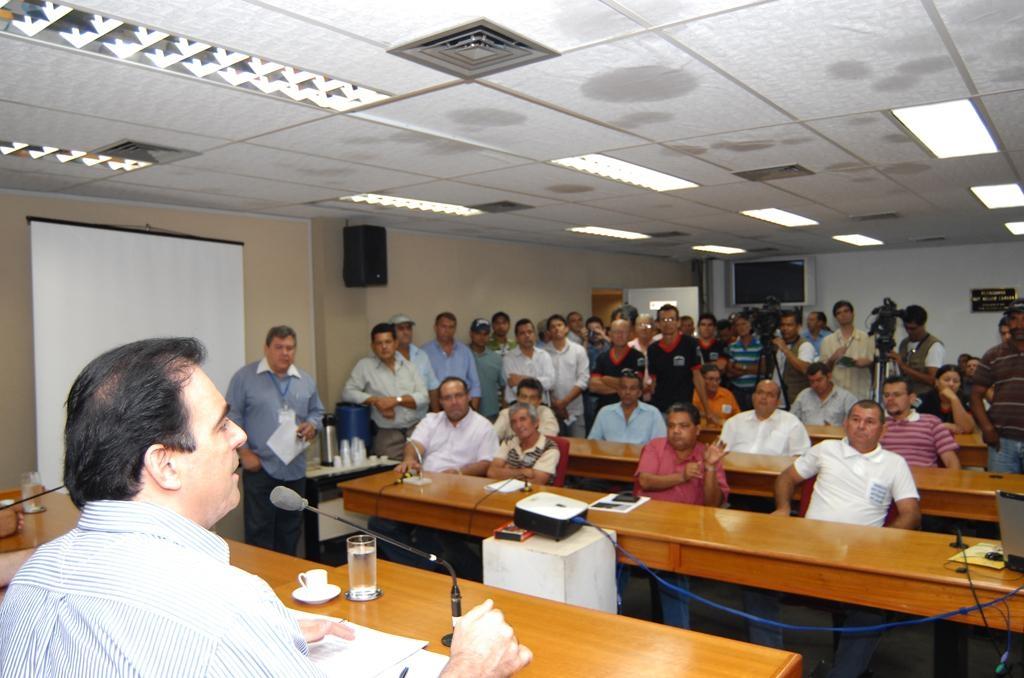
(1011, 528)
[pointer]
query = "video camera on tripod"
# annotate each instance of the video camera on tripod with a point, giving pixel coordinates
(764, 321)
(883, 327)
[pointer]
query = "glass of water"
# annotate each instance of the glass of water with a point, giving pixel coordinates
(362, 568)
(31, 485)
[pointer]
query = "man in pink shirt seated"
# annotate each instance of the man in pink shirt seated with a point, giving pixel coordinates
(680, 468)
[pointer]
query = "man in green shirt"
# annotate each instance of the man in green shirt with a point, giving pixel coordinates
(488, 367)
(499, 341)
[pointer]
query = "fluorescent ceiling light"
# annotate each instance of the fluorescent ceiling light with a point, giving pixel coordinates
(1002, 195)
(718, 249)
(1015, 227)
(20, 149)
(780, 217)
(608, 232)
(626, 172)
(56, 24)
(951, 129)
(858, 240)
(411, 204)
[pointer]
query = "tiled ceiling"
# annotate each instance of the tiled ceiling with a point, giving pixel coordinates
(697, 89)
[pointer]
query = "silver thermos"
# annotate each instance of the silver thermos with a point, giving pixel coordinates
(328, 442)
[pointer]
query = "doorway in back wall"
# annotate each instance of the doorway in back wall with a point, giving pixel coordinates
(604, 300)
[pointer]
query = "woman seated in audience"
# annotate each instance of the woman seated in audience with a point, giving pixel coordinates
(948, 402)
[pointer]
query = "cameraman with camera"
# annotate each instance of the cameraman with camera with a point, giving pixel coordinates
(794, 355)
(920, 355)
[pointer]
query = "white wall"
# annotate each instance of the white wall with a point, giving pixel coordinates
(938, 278)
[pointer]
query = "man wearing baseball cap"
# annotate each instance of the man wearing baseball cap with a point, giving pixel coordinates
(420, 360)
(488, 368)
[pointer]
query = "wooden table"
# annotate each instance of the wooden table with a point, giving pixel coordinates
(968, 495)
(973, 451)
(893, 569)
(565, 640)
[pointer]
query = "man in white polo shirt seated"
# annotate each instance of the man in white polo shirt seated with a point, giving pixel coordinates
(766, 429)
(454, 440)
(857, 481)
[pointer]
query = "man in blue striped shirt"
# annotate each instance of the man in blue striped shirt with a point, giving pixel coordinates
(142, 586)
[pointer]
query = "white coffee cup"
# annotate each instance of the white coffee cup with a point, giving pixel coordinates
(313, 579)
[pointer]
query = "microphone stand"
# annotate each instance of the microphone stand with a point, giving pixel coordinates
(456, 595)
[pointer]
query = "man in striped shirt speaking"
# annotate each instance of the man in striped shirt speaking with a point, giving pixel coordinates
(921, 439)
(142, 587)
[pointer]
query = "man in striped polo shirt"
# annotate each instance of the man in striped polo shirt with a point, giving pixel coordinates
(921, 439)
(1002, 369)
(744, 362)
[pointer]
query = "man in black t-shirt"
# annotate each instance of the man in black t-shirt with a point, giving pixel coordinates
(604, 378)
(710, 348)
(674, 363)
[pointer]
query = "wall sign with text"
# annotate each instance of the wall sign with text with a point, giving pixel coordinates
(992, 299)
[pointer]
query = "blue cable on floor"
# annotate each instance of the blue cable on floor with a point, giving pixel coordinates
(797, 627)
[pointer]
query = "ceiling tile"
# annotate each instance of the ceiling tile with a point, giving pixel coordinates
(347, 138)
(765, 147)
(190, 179)
(818, 58)
(1004, 111)
(747, 195)
(660, 12)
(662, 158)
(457, 193)
(644, 85)
(660, 206)
(988, 34)
(22, 180)
(553, 182)
(498, 121)
(167, 196)
(875, 138)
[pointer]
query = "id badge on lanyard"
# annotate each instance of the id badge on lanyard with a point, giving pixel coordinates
(285, 415)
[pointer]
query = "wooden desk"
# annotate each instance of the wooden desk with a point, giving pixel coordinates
(973, 452)
(968, 495)
(565, 640)
(59, 517)
(893, 569)
(562, 637)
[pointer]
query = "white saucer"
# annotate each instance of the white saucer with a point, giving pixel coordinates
(316, 596)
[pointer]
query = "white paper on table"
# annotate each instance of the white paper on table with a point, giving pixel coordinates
(285, 442)
(423, 664)
(608, 503)
(503, 486)
(370, 654)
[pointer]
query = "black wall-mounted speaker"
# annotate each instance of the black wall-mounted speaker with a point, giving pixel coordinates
(365, 256)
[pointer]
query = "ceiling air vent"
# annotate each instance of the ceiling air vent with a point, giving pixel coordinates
(929, 238)
(137, 150)
(501, 206)
(773, 173)
(762, 250)
(668, 234)
(474, 50)
(875, 217)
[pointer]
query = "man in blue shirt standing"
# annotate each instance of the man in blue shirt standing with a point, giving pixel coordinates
(265, 396)
(451, 358)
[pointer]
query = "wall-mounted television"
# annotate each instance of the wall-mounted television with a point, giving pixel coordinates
(789, 279)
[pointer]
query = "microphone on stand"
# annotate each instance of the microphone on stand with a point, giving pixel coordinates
(288, 499)
(34, 496)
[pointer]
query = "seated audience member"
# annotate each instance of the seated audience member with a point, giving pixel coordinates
(816, 329)
(392, 387)
(452, 358)
(720, 399)
(530, 392)
(948, 402)
(604, 376)
(793, 354)
(745, 362)
(1000, 380)
(766, 429)
(628, 420)
(488, 369)
(970, 367)
(712, 351)
(577, 331)
(454, 440)
(500, 342)
(961, 363)
(526, 360)
(572, 373)
(920, 354)
(822, 403)
(529, 455)
(921, 439)
(844, 493)
(414, 354)
(142, 586)
(680, 468)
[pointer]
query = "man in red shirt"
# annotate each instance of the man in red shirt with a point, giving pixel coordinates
(680, 468)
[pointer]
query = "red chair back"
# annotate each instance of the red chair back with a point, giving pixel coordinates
(563, 460)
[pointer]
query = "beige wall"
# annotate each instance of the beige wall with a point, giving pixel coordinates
(272, 246)
(472, 278)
